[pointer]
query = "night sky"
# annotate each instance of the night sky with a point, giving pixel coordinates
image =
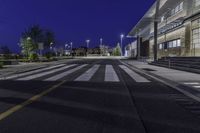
(71, 20)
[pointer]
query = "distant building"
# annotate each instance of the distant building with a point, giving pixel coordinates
(106, 50)
(131, 50)
(178, 29)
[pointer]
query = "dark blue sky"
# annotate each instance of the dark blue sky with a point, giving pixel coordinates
(71, 20)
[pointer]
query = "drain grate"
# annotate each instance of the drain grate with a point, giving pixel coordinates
(148, 69)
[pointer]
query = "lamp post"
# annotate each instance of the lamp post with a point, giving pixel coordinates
(88, 42)
(71, 44)
(122, 36)
(101, 45)
(51, 45)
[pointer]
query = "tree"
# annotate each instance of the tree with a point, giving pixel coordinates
(49, 38)
(35, 33)
(27, 46)
(117, 50)
(39, 35)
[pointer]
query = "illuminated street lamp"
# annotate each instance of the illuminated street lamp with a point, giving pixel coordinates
(51, 45)
(122, 36)
(101, 45)
(87, 41)
(71, 44)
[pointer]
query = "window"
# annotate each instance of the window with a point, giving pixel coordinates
(178, 42)
(162, 18)
(161, 46)
(196, 38)
(177, 9)
(197, 2)
(170, 44)
(174, 44)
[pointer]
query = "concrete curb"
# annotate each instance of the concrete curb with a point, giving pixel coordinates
(194, 94)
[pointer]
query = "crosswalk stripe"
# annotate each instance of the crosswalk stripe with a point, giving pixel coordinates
(31, 72)
(59, 76)
(31, 77)
(191, 83)
(110, 74)
(88, 74)
(134, 75)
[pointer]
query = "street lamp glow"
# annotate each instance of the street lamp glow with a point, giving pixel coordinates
(87, 41)
(122, 36)
(101, 41)
(28, 38)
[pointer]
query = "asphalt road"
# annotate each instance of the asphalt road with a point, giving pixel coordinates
(93, 96)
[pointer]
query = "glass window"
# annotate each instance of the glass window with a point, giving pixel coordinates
(161, 46)
(170, 44)
(178, 42)
(174, 43)
(197, 2)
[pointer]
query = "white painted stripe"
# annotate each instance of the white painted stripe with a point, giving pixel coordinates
(62, 75)
(134, 75)
(197, 87)
(31, 72)
(110, 74)
(88, 74)
(31, 77)
(192, 83)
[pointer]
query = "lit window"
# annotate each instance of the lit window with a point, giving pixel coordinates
(162, 18)
(161, 46)
(197, 2)
(174, 43)
(178, 42)
(170, 44)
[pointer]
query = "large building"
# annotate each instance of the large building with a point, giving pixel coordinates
(177, 29)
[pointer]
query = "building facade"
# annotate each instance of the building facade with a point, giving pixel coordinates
(178, 29)
(131, 50)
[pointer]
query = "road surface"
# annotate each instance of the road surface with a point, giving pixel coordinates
(93, 96)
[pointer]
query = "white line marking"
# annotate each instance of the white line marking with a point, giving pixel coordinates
(110, 74)
(30, 72)
(59, 76)
(197, 87)
(134, 75)
(88, 74)
(31, 77)
(191, 83)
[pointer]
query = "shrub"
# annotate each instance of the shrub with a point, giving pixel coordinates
(33, 57)
(1, 64)
(48, 55)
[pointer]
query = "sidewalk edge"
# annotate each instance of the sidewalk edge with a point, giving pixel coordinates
(186, 93)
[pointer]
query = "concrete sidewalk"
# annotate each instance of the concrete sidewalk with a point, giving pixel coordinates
(186, 82)
(171, 74)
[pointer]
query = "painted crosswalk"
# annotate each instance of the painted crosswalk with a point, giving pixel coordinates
(102, 73)
(88, 74)
(195, 85)
(138, 78)
(110, 74)
(60, 76)
(31, 72)
(31, 77)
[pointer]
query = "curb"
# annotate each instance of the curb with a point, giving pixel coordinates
(194, 94)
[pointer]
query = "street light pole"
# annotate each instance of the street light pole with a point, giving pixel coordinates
(122, 36)
(87, 41)
(101, 45)
(156, 31)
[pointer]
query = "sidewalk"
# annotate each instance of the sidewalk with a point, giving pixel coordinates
(180, 80)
